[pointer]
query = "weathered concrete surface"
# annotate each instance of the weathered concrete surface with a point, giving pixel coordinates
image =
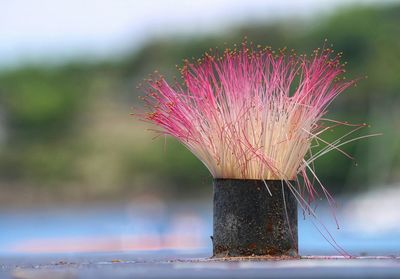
(156, 265)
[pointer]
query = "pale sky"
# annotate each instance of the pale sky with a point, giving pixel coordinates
(33, 30)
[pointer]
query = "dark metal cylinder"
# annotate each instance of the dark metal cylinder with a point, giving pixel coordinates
(254, 218)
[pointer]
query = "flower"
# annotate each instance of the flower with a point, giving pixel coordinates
(253, 113)
(250, 113)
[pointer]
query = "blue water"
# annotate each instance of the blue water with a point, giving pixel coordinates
(22, 226)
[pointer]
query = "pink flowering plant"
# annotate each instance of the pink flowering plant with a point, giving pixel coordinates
(253, 113)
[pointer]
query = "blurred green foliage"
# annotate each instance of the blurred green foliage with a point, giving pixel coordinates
(67, 127)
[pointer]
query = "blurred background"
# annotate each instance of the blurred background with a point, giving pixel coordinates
(79, 174)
